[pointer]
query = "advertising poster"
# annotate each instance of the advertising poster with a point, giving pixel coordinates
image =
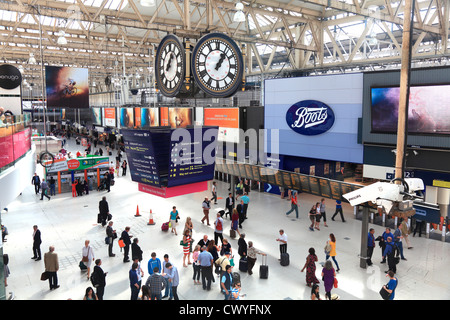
(67, 87)
(149, 117)
(126, 117)
(164, 112)
(227, 119)
(180, 117)
(137, 118)
(428, 110)
(97, 116)
(109, 117)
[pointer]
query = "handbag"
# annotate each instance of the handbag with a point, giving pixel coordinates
(327, 248)
(44, 276)
(335, 284)
(121, 243)
(86, 258)
(384, 294)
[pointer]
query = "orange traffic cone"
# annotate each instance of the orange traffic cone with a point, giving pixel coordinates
(137, 212)
(151, 222)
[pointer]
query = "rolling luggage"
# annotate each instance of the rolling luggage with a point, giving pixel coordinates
(264, 268)
(243, 265)
(99, 218)
(82, 266)
(165, 226)
(284, 259)
(232, 233)
(236, 277)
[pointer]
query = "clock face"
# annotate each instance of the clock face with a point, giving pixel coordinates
(170, 66)
(217, 65)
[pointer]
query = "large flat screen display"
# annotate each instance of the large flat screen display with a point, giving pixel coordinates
(67, 87)
(180, 117)
(428, 111)
(227, 119)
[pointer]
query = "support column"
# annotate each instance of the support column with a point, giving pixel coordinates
(364, 233)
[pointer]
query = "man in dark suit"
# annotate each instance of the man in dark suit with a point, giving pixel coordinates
(100, 278)
(37, 183)
(36, 243)
(108, 181)
(111, 233)
(103, 210)
(229, 204)
(240, 210)
(126, 240)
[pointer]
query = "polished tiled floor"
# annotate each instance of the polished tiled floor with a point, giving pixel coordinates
(67, 222)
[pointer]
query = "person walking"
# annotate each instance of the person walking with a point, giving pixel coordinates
(74, 188)
(338, 210)
(251, 257)
(156, 284)
(103, 208)
(405, 233)
(310, 266)
(124, 168)
(242, 246)
(36, 243)
(44, 189)
(312, 217)
(87, 254)
(318, 216)
(99, 278)
(214, 192)
(418, 227)
(370, 246)
(328, 276)
(226, 282)
(134, 281)
(294, 205)
(127, 241)
(173, 219)
(111, 234)
(174, 279)
(36, 181)
(245, 201)
(186, 243)
(398, 242)
(52, 185)
(235, 221)
(229, 205)
(332, 242)
(206, 206)
(218, 229)
(322, 212)
(196, 265)
(240, 210)
(391, 285)
(206, 262)
(51, 263)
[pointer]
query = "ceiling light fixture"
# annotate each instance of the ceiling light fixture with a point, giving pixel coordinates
(239, 16)
(32, 59)
(148, 3)
(62, 38)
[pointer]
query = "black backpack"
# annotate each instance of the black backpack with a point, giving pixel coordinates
(94, 280)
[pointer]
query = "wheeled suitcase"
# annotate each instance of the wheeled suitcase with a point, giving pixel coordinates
(264, 268)
(284, 259)
(232, 233)
(99, 218)
(243, 265)
(236, 278)
(165, 226)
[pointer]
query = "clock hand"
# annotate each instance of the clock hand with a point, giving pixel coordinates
(219, 64)
(170, 62)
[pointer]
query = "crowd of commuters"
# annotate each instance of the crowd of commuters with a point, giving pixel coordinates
(214, 255)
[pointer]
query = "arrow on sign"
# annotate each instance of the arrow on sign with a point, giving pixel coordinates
(269, 187)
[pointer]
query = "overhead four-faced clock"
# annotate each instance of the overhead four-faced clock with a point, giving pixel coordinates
(217, 65)
(170, 66)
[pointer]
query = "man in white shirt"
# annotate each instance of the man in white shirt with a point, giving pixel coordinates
(214, 192)
(283, 241)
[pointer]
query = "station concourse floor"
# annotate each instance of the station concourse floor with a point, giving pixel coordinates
(67, 222)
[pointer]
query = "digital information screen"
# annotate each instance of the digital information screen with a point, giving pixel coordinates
(287, 179)
(325, 188)
(248, 172)
(192, 160)
(295, 178)
(335, 189)
(304, 183)
(141, 157)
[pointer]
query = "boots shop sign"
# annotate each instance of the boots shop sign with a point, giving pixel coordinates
(310, 117)
(10, 77)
